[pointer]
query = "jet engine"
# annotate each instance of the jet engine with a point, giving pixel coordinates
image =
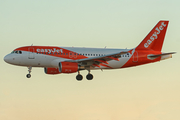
(51, 71)
(68, 67)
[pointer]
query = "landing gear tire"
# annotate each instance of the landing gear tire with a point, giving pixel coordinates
(79, 77)
(89, 77)
(28, 75)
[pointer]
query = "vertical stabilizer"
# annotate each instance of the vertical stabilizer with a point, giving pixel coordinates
(154, 40)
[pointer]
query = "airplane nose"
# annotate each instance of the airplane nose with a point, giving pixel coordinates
(7, 58)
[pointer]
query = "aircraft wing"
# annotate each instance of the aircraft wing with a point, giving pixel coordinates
(99, 60)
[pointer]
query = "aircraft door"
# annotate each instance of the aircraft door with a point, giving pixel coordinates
(70, 54)
(135, 56)
(31, 53)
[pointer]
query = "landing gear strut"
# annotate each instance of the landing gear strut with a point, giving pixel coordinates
(29, 70)
(79, 77)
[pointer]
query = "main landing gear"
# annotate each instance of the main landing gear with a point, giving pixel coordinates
(29, 70)
(79, 77)
(89, 76)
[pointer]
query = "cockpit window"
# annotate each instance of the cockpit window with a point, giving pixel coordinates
(20, 52)
(17, 52)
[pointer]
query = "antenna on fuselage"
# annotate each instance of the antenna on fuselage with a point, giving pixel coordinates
(32, 45)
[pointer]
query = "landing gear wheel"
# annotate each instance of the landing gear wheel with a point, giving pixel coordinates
(28, 75)
(29, 70)
(89, 77)
(79, 77)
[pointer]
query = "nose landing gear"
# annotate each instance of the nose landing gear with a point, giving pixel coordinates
(29, 70)
(28, 75)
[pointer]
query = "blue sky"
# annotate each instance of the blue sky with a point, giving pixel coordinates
(144, 92)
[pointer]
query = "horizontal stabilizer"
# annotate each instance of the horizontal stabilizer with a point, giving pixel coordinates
(163, 56)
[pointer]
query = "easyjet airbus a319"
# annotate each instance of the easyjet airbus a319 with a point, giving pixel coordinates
(57, 60)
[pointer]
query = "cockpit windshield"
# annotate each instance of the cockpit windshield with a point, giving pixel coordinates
(16, 52)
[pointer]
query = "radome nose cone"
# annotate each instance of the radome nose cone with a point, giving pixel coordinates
(7, 58)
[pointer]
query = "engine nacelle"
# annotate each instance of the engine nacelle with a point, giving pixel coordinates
(68, 67)
(51, 71)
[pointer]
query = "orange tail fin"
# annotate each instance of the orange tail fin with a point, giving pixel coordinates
(154, 40)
